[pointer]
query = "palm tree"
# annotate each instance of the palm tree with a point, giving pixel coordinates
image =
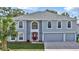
(7, 28)
(7, 25)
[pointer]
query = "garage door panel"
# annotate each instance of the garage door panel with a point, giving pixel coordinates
(70, 37)
(52, 37)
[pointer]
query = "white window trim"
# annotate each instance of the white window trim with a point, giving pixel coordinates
(18, 36)
(57, 24)
(47, 24)
(11, 39)
(31, 26)
(23, 25)
(36, 22)
(67, 25)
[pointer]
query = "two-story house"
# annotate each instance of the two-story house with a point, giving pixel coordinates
(45, 26)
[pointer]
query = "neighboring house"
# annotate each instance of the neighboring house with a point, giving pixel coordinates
(45, 26)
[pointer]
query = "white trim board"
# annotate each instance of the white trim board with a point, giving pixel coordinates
(59, 32)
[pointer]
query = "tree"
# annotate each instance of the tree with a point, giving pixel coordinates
(7, 27)
(75, 17)
(17, 12)
(65, 14)
(52, 11)
(8, 11)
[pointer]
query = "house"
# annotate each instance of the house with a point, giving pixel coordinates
(45, 26)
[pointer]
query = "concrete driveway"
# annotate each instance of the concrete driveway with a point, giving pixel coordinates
(61, 45)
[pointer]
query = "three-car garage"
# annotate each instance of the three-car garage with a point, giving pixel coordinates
(59, 37)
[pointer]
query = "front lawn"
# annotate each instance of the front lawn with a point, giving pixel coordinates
(25, 45)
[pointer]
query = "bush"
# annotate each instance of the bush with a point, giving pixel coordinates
(77, 39)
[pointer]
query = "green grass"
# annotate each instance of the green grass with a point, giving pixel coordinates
(24, 45)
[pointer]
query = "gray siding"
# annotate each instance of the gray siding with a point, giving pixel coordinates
(28, 29)
(25, 30)
(40, 30)
(54, 26)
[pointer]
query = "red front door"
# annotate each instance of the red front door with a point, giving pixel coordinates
(34, 36)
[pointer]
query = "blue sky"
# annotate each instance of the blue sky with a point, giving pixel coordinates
(73, 11)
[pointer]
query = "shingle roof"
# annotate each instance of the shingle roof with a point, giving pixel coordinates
(43, 16)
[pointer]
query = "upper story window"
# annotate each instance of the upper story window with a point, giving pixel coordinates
(20, 24)
(21, 36)
(59, 24)
(69, 24)
(49, 24)
(34, 25)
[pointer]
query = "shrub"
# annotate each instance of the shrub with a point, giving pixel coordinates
(77, 38)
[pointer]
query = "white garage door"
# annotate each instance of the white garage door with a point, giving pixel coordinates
(53, 37)
(70, 37)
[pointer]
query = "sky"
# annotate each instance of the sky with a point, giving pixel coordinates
(73, 11)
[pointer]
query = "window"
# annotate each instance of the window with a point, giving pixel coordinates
(21, 36)
(59, 24)
(20, 24)
(49, 24)
(69, 24)
(34, 25)
(12, 38)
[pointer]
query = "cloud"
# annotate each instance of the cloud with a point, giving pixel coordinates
(68, 8)
(73, 11)
(29, 8)
(23, 7)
